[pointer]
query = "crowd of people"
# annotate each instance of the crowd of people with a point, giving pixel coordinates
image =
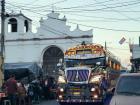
(20, 93)
(26, 94)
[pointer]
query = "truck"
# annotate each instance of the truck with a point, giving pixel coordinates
(80, 74)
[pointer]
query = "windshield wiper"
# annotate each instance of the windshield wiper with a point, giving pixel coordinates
(128, 93)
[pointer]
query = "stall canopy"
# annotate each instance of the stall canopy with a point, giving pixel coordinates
(21, 70)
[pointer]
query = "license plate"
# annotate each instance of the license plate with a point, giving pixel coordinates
(76, 93)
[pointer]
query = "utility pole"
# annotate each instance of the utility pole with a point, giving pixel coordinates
(105, 46)
(106, 64)
(139, 41)
(2, 33)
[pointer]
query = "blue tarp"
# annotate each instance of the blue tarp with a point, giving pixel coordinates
(21, 70)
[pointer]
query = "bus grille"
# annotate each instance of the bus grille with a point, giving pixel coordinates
(77, 75)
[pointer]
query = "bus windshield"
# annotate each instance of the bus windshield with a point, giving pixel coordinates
(84, 62)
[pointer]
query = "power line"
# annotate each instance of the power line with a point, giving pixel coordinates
(78, 15)
(86, 16)
(79, 20)
(94, 10)
(134, 11)
(52, 30)
(87, 5)
(31, 3)
(110, 29)
(119, 12)
(122, 48)
(116, 6)
(115, 19)
(39, 7)
(55, 32)
(39, 44)
(89, 10)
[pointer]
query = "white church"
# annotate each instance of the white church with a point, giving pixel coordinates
(46, 46)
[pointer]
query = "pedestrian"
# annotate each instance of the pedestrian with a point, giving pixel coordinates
(104, 87)
(46, 89)
(11, 88)
(30, 92)
(104, 84)
(21, 94)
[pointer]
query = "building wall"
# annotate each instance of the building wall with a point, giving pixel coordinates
(32, 51)
(23, 46)
(135, 51)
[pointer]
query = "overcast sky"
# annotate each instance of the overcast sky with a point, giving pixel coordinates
(110, 20)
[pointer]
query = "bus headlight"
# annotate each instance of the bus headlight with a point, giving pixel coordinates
(61, 90)
(60, 96)
(61, 79)
(92, 89)
(95, 96)
(95, 79)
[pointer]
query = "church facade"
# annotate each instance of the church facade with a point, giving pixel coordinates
(46, 46)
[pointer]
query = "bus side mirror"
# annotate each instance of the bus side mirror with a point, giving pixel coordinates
(59, 64)
(97, 66)
(98, 63)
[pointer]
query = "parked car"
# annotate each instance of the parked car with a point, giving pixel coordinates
(124, 71)
(127, 91)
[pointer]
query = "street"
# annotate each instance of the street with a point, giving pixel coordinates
(49, 102)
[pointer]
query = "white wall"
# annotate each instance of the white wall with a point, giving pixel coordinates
(33, 50)
(135, 51)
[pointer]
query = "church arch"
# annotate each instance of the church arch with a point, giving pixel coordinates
(51, 57)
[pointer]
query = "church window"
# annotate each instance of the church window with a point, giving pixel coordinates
(12, 25)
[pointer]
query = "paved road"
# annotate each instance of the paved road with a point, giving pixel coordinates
(52, 102)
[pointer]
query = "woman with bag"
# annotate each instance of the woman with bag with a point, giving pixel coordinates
(21, 94)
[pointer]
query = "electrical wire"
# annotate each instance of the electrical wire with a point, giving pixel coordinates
(99, 28)
(119, 12)
(104, 8)
(102, 28)
(115, 19)
(122, 4)
(86, 16)
(111, 29)
(39, 7)
(87, 5)
(125, 49)
(31, 3)
(57, 31)
(109, 19)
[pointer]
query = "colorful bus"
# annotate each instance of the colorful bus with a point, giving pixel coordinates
(83, 67)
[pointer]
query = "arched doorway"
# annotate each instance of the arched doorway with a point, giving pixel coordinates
(50, 59)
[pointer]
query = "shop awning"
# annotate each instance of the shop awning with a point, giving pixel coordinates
(21, 70)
